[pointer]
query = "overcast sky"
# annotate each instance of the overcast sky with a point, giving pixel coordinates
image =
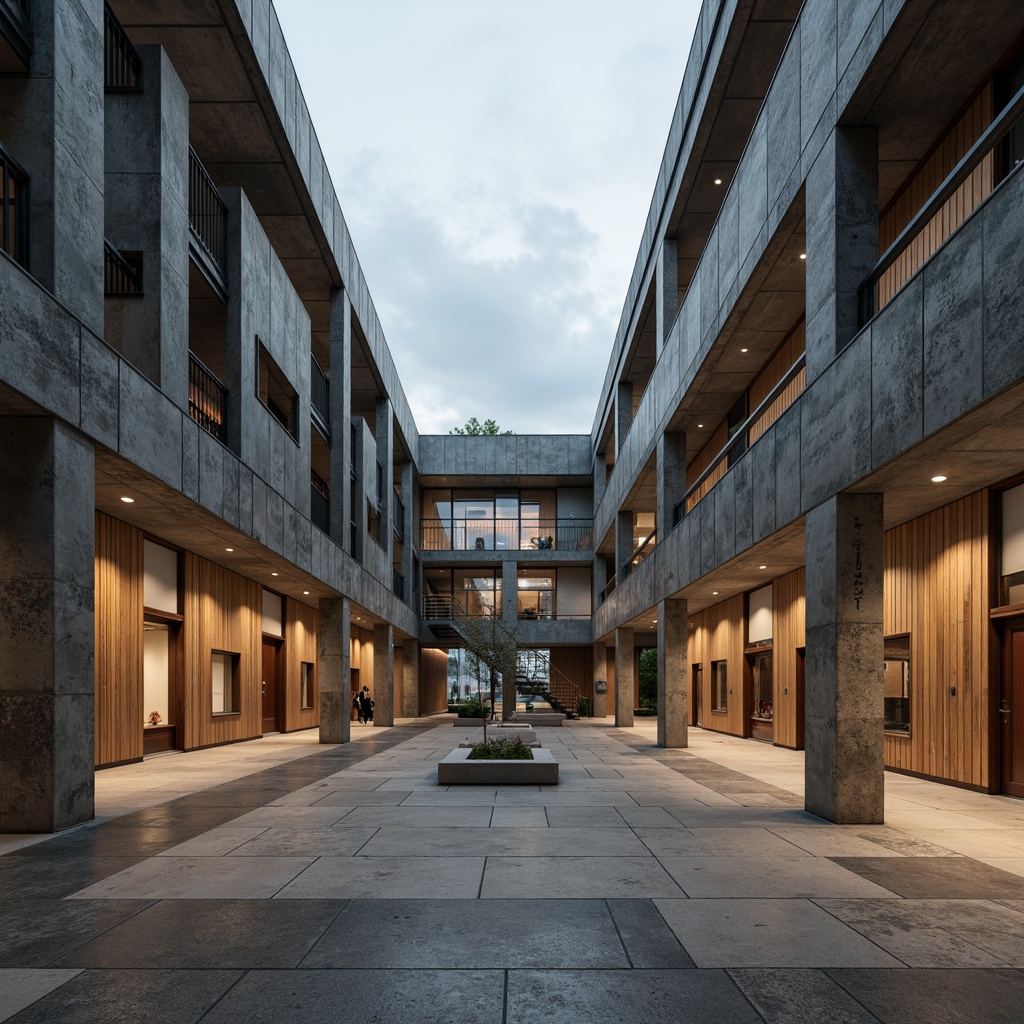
(495, 163)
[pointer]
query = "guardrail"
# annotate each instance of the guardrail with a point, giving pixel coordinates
(207, 219)
(122, 68)
(319, 502)
(320, 397)
(207, 398)
(120, 275)
(491, 534)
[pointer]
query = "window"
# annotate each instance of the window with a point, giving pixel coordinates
(225, 683)
(764, 691)
(719, 686)
(13, 209)
(536, 599)
(373, 521)
(306, 687)
(275, 392)
(896, 681)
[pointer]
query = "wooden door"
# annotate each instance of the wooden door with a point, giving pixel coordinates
(1011, 710)
(698, 694)
(270, 687)
(799, 697)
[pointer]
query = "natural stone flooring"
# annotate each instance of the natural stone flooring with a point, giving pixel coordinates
(342, 884)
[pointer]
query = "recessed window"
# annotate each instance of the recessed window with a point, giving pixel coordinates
(719, 686)
(275, 391)
(373, 521)
(306, 681)
(225, 683)
(896, 682)
(536, 597)
(13, 209)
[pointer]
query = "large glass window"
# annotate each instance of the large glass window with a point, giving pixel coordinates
(478, 591)
(896, 681)
(156, 674)
(719, 686)
(764, 691)
(536, 598)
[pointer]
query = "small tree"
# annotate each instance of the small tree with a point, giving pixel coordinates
(474, 428)
(494, 646)
(649, 678)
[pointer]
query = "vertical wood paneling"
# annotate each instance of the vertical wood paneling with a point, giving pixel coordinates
(577, 665)
(919, 189)
(788, 353)
(788, 636)
(702, 460)
(118, 638)
(223, 612)
(433, 680)
(718, 633)
(301, 624)
(937, 572)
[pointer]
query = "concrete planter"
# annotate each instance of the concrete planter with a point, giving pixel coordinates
(457, 770)
(543, 719)
(469, 723)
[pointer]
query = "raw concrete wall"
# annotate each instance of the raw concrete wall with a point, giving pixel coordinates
(513, 455)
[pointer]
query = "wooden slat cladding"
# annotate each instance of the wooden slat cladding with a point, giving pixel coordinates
(223, 612)
(702, 460)
(937, 573)
(718, 633)
(118, 635)
(786, 355)
(788, 638)
(920, 187)
(300, 629)
(433, 680)
(577, 665)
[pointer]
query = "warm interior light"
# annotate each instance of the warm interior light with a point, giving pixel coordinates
(305, 591)
(762, 567)
(229, 549)
(718, 181)
(803, 255)
(938, 479)
(274, 574)
(700, 426)
(744, 350)
(128, 501)
(714, 593)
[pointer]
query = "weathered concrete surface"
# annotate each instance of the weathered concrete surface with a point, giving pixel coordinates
(457, 770)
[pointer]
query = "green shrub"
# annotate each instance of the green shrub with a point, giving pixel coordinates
(501, 749)
(473, 707)
(585, 707)
(649, 679)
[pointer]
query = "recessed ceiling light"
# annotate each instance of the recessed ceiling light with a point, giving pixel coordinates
(305, 591)
(229, 549)
(128, 501)
(939, 479)
(655, 621)
(700, 426)
(744, 350)
(762, 567)
(714, 593)
(803, 255)
(274, 574)
(718, 181)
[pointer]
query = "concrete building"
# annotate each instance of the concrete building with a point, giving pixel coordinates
(803, 484)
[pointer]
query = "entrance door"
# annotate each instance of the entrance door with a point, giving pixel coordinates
(270, 660)
(1011, 710)
(698, 694)
(159, 692)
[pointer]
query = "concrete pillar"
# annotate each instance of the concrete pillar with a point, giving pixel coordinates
(600, 675)
(410, 706)
(600, 480)
(146, 169)
(342, 455)
(624, 677)
(667, 285)
(673, 678)
(844, 763)
(47, 578)
(671, 473)
(623, 412)
(623, 544)
(408, 527)
(334, 653)
(842, 239)
(385, 437)
(383, 673)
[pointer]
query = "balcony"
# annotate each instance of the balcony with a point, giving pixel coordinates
(207, 221)
(207, 398)
(398, 516)
(320, 398)
(13, 209)
(122, 272)
(319, 502)
(506, 534)
(122, 69)
(398, 584)
(15, 37)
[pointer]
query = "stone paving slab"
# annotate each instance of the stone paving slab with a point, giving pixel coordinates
(453, 878)
(22, 986)
(569, 878)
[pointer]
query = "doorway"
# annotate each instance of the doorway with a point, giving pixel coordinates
(697, 689)
(159, 685)
(1011, 726)
(271, 689)
(761, 689)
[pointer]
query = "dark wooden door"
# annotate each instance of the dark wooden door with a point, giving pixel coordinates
(698, 695)
(1011, 710)
(270, 660)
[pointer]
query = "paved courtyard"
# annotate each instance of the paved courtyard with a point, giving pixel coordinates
(284, 881)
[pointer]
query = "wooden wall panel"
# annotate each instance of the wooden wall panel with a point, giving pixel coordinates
(788, 353)
(919, 189)
(937, 573)
(702, 460)
(223, 612)
(300, 628)
(788, 636)
(577, 665)
(718, 633)
(433, 680)
(118, 637)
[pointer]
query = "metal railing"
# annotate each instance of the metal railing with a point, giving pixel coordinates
(398, 515)
(16, 29)
(640, 552)
(207, 398)
(740, 436)
(121, 275)
(398, 583)
(122, 68)
(14, 209)
(207, 215)
(536, 674)
(319, 502)
(506, 534)
(995, 133)
(320, 397)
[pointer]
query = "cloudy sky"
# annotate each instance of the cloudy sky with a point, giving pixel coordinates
(495, 163)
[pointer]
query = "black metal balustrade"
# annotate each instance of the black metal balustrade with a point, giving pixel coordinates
(488, 534)
(122, 68)
(122, 275)
(398, 516)
(319, 502)
(207, 218)
(16, 29)
(207, 398)
(320, 397)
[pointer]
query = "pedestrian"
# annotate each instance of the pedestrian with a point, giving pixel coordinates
(358, 705)
(365, 706)
(370, 705)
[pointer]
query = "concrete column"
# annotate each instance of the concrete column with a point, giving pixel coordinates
(667, 285)
(385, 438)
(146, 169)
(673, 679)
(844, 763)
(842, 239)
(623, 413)
(408, 531)
(334, 653)
(383, 673)
(600, 480)
(47, 578)
(671, 472)
(623, 543)
(410, 707)
(600, 674)
(342, 455)
(624, 677)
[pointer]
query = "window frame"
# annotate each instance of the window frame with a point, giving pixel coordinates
(232, 690)
(720, 686)
(895, 726)
(11, 171)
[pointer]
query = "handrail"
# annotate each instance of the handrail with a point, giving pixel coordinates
(122, 67)
(499, 534)
(398, 515)
(120, 277)
(562, 689)
(320, 501)
(989, 138)
(638, 553)
(207, 397)
(207, 214)
(740, 434)
(320, 396)
(609, 586)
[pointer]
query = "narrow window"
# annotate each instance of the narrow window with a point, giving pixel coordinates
(719, 686)
(275, 391)
(306, 684)
(225, 683)
(896, 681)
